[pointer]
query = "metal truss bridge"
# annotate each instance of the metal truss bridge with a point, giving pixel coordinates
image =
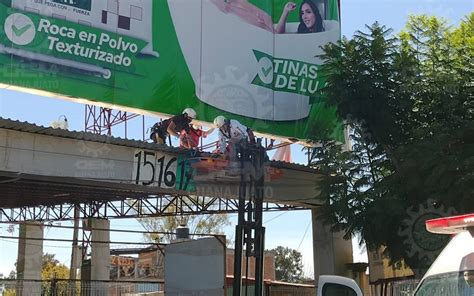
(46, 173)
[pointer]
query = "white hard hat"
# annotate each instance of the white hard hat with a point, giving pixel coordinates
(190, 112)
(219, 121)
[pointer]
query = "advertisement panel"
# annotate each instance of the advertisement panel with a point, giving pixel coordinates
(251, 60)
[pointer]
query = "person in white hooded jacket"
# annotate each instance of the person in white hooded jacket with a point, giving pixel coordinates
(231, 131)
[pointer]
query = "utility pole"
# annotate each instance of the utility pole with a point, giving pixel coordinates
(249, 230)
(74, 252)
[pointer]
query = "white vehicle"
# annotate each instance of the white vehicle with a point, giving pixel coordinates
(332, 285)
(452, 274)
(2, 285)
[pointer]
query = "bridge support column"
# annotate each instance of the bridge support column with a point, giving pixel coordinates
(100, 255)
(30, 253)
(331, 251)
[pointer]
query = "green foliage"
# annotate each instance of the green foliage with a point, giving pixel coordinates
(9, 292)
(51, 268)
(409, 104)
(288, 265)
(48, 259)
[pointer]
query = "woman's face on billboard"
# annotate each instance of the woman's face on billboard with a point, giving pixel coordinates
(308, 16)
(469, 277)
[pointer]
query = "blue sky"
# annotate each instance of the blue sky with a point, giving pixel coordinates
(290, 229)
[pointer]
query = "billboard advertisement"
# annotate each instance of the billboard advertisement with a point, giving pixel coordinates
(251, 60)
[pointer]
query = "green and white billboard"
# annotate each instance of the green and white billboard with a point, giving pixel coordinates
(251, 60)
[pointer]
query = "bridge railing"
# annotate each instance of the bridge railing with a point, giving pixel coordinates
(58, 287)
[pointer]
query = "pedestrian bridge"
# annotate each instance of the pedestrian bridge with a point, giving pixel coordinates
(52, 174)
(41, 166)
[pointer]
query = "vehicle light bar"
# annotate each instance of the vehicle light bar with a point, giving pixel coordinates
(450, 225)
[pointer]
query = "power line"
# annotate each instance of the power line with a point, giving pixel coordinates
(113, 230)
(304, 235)
(116, 244)
(278, 216)
(70, 240)
(48, 246)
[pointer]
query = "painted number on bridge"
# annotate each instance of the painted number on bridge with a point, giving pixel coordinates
(160, 170)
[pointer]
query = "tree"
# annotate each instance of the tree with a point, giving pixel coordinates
(51, 268)
(166, 226)
(408, 101)
(48, 259)
(288, 265)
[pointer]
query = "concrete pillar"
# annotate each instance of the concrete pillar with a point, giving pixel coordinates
(330, 250)
(30, 253)
(100, 255)
(100, 250)
(75, 252)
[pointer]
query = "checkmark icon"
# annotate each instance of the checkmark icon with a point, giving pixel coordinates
(267, 70)
(20, 31)
(265, 73)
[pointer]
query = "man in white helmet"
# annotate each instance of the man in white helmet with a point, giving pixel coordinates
(231, 131)
(172, 126)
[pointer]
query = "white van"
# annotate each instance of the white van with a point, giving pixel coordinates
(452, 274)
(333, 285)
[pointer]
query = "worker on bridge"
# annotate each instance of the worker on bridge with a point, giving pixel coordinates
(173, 126)
(232, 132)
(190, 140)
